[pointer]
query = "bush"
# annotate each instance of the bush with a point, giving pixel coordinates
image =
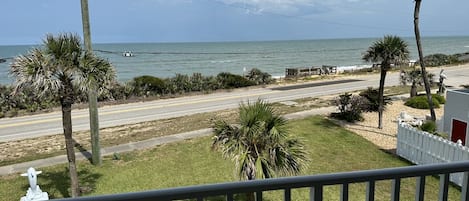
(259, 77)
(429, 126)
(421, 102)
(442, 59)
(439, 98)
(350, 107)
(147, 84)
(229, 81)
(179, 84)
(117, 92)
(372, 95)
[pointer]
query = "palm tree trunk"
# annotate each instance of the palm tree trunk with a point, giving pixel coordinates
(413, 89)
(92, 96)
(422, 63)
(381, 96)
(70, 146)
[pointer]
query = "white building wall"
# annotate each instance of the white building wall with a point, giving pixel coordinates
(456, 107)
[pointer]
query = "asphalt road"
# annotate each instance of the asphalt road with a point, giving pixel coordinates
(51, 123)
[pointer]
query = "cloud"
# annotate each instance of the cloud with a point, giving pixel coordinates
(289, 7)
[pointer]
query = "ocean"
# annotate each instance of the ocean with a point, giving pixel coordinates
(210, 58)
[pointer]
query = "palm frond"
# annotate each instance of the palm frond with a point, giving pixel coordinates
(61, 63)
(260, 145)
(388, 50)
(35, 70)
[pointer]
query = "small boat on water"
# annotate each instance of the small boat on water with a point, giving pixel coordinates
(127, 54)
(2, 60)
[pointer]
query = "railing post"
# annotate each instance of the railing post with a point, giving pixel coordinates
(344, 192)
(396, 189)
(370, 191)
(259, 196)
(229, 197)
(443, 193)
(315, 193)
(420, 188)
(465, 187)
(287, 194)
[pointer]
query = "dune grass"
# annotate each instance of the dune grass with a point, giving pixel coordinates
(331, 149)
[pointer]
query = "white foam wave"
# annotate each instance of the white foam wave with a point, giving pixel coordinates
(353, 67)
(221, 61)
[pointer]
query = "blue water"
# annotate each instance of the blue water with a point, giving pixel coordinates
(168, 59)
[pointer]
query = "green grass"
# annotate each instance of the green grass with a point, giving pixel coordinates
(192, 162)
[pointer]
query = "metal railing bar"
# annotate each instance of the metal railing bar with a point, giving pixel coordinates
(420, 188)
(370, 191)
(344, 192)
(285, 182)
(259, 196)
(444, 183)
(395, 189)
(287, 194)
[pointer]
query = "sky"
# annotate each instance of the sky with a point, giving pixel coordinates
(125, 21)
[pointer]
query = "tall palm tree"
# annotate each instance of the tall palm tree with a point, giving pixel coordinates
(388, 50)
(422, 63)
(61, 69)
(260, 144)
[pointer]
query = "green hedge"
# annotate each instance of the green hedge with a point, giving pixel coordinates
(429, 126)
(421, 102)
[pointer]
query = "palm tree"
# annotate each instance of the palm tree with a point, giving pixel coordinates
(389, 50)
(260, 145)
(415, 78)
(422, 63)
(61, 69)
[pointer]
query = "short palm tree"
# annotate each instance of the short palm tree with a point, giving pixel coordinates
(62, 69)
(388, 50)
(415, 78)
(260, 144)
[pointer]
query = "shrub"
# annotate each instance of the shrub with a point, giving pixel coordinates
(350, 107)
(259, 77)
(229, 81)
(372, 95)
(429, 126)
(421, 102)
(442, 59)
(147, 84)
(179, 84)
(439, 98)
(117, 92)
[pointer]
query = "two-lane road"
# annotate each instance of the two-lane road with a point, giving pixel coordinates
(51, 123)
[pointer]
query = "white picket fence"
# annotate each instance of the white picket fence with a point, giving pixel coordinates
(420, 147)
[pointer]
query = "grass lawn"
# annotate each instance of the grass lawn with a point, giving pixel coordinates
(192, 162)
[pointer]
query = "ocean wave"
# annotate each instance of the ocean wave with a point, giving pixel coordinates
(221, 61)
(353, 67)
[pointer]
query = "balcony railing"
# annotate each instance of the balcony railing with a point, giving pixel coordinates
(316, 183)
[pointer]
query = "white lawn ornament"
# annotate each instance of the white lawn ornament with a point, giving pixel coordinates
(34, 193)
(406, 117)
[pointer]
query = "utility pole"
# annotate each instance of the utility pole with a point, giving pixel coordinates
(92, 92)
